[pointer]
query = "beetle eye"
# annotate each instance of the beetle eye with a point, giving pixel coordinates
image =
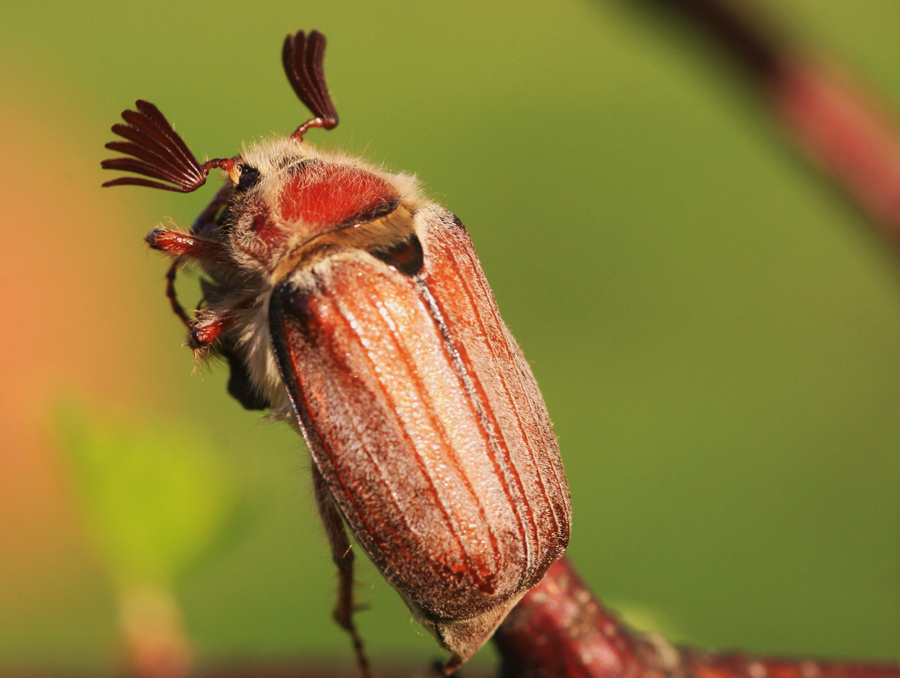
(249, 178)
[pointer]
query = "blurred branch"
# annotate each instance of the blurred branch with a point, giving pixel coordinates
(560, 630)
(836, 125)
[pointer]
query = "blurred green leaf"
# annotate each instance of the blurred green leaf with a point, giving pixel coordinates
(155, 497)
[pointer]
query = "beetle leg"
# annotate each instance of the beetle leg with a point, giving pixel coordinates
(206, 330)
(173, 295)
(186, 245)
(342, 555)
(208, 326)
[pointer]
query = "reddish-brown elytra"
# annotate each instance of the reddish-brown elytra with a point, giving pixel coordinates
(356, 309)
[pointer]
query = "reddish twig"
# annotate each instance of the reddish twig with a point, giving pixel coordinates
(837, 126)
(845, 132)
(560, 630)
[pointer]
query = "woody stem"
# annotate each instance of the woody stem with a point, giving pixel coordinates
(560, 630)
(834, 124)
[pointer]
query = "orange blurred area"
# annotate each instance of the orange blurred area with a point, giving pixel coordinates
(71, 329)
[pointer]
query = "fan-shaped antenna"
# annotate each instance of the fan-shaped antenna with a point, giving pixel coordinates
(303, 57)
(157, 152)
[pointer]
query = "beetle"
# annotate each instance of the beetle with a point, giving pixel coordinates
(356, 309)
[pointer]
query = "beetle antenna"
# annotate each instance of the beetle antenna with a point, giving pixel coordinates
(158, 152)
(303, 57)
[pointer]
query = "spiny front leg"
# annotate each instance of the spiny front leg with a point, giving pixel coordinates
(193, 245)
(187, 246)
(183, 246)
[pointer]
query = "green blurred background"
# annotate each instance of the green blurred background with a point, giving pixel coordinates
(715, 333)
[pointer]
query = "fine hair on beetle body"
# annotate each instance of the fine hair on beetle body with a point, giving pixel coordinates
(356, 309)
(246, 288)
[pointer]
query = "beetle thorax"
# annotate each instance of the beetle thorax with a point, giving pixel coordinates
(288, 194)
(292, 204)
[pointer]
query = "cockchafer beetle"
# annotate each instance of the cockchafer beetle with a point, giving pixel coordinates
(357, 310)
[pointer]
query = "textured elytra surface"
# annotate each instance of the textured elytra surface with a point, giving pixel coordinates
(366, 348)
(426, 422)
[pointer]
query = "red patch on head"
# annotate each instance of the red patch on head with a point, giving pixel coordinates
(324, 195)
